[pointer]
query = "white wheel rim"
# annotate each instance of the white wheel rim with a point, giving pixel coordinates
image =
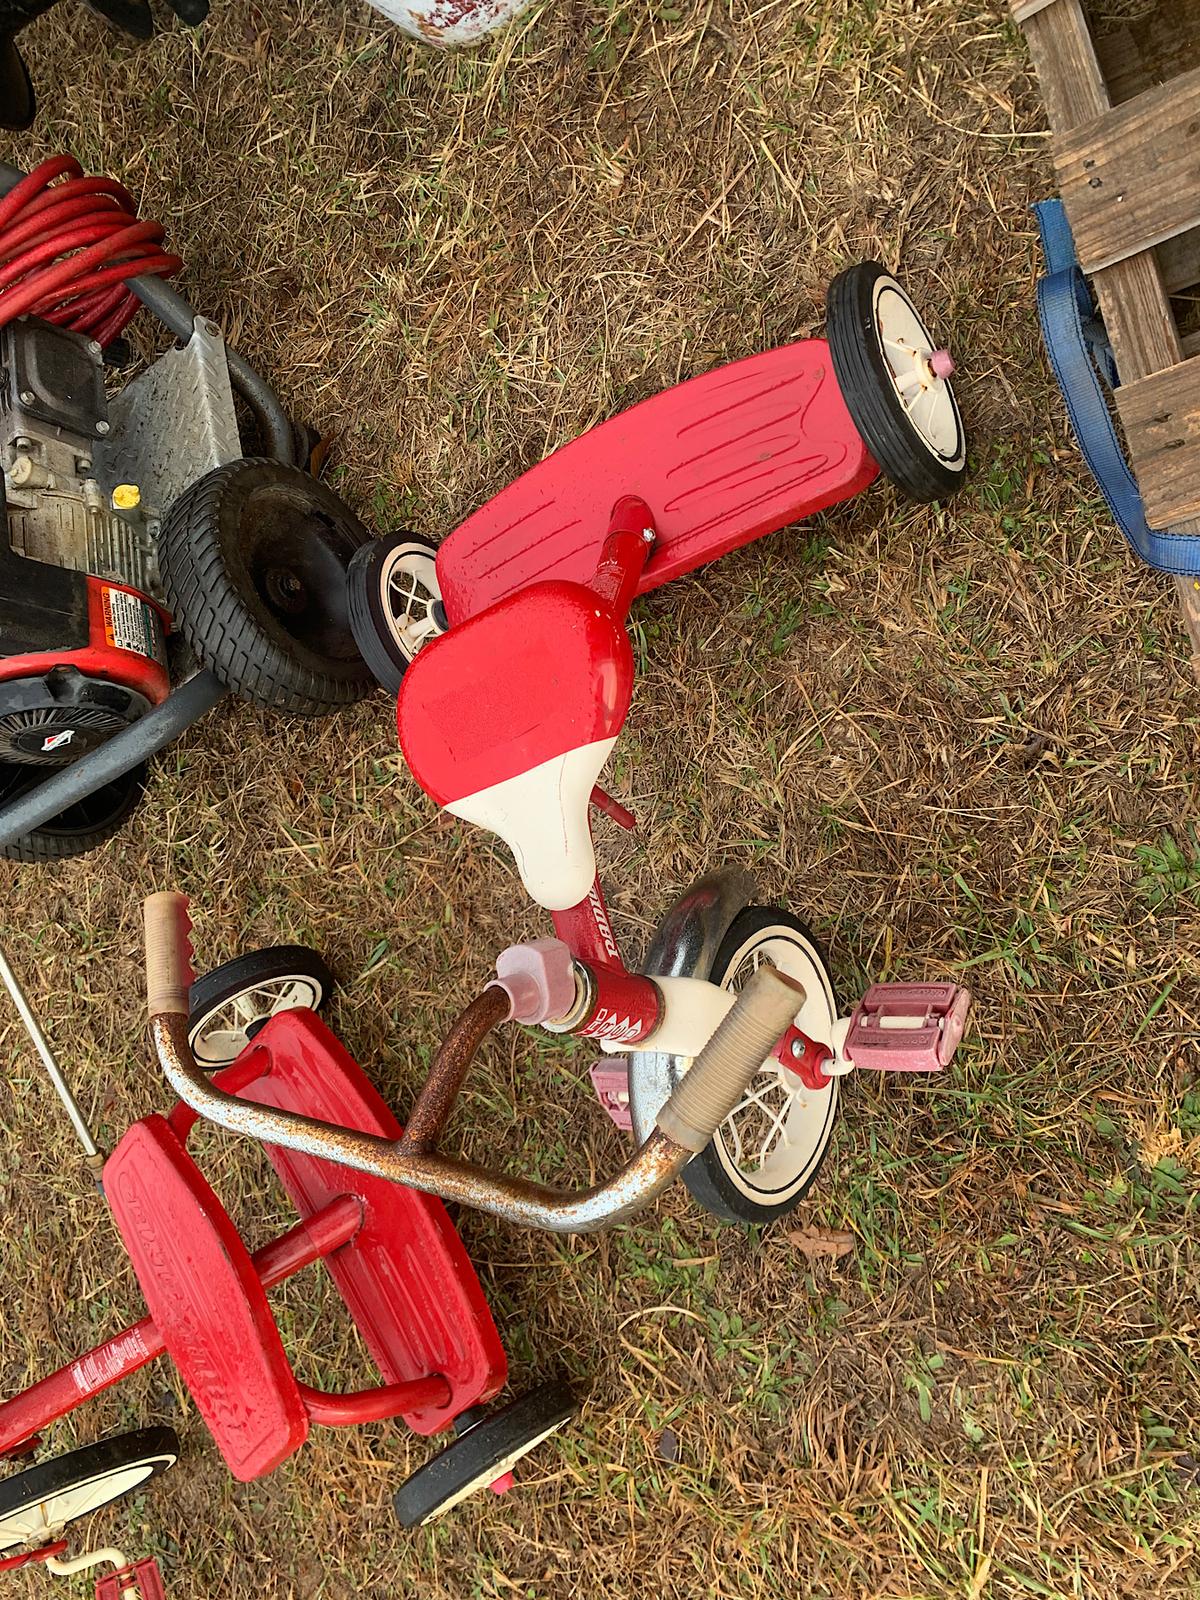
(486, 1479)
(44, 1520)
(409, 589)
(771, 1142)
(928, 400)
(220, 1036)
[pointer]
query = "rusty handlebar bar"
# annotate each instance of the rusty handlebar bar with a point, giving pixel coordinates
(696, 1108)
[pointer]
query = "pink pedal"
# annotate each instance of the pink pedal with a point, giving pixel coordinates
(907, 1027)
(610, 1079)
(142, 1580)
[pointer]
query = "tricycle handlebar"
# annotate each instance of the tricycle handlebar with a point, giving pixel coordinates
(696, 1108)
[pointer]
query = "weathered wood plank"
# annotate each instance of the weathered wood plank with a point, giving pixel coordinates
(1022, 10)
(1131, 177)
(1161, 416)
(1179, 261)
(1131, 296)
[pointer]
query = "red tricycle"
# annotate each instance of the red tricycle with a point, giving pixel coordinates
(515, 674)
(392, 1252)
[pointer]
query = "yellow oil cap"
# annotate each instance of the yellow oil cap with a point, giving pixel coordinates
(126, 497)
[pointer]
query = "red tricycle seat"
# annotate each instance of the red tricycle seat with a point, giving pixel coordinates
(206, 1299)
(721, 459)
(405, 1277)
(507, 720)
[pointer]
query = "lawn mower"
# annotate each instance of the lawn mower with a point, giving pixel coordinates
(508, 649)
(167, 526)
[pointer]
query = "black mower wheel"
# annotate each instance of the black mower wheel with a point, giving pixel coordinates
(484, 1451)
(228, 1006)
(395, 603)
(37, 1504)
(254, 558)
(902, 405)
(80, 827)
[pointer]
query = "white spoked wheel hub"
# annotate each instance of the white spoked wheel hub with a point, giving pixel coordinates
(772, 1140)
(409, 592)
(37, 1505)
(921, 373)
(221, 1035)
(39, 1524)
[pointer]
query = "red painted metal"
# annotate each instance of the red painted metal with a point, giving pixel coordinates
(722, 459)
(626, 1009)
(376, 1405)
(543, 672)
(407, 1281)
(613, 809)
(623, 556)
(54, 1396)
(805, 1057)
(101, 657)
(587, 932)
(28, 1557)
(206, 1299)
(142, 1580)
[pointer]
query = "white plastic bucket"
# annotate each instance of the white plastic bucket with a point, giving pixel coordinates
(447, 22)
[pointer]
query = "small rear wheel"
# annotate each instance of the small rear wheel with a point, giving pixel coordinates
(37, 1504)
(230, 1004)
(395, 603)
(484, 1452)
(896, 382)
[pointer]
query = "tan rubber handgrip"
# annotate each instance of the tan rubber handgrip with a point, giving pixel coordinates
(168, 954)
(718, 1078)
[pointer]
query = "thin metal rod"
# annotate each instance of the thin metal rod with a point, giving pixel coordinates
(53, 1071)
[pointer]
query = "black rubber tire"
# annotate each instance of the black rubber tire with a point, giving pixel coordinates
(869, 390)
(226, 546)
(705, 1175)
(370, 615)
(156, 1447)
(475, 1457)
(81, 827)
(214, 990)
(18, 107)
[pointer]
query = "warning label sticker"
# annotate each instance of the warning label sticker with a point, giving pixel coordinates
(133, 624)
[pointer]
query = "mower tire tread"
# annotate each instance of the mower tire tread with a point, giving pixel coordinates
(211, 610)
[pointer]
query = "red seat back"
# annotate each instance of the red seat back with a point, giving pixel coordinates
(546, 671)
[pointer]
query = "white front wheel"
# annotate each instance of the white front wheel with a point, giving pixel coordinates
(765, 1156)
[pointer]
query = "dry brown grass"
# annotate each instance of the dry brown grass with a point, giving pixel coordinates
(954, 739)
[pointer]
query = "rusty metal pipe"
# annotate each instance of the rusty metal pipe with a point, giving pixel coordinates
(533, 1205)
(441, 1088)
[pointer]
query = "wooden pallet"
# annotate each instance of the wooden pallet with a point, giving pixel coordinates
(1129, 176)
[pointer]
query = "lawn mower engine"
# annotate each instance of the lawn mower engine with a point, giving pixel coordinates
(137, 521)
(81, 603)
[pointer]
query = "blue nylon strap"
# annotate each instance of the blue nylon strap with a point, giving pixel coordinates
(1077, 345)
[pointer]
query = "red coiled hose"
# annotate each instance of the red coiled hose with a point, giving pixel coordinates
(67, 249)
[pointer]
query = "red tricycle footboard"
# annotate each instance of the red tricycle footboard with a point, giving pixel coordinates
(721, 459)
(405, 1277)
